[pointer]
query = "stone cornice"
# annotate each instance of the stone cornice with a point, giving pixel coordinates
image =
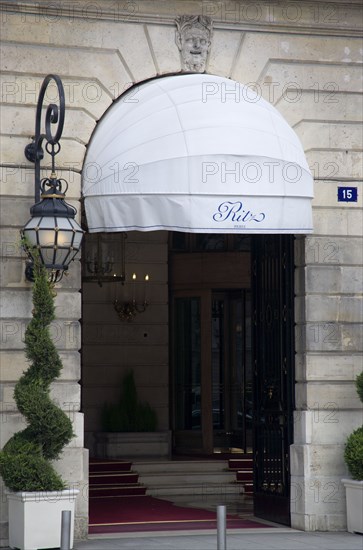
(314, 17)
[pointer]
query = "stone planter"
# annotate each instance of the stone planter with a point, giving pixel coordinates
(35, 518)
(354, 496)
(133, 444)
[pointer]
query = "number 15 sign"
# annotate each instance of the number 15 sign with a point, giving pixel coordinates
(347, 194)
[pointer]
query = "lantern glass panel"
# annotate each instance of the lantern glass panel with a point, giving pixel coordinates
(47, 255)
(64, 223)
(62, 256)
(77, 240)
(65, 238)
(30, 236)
(33, 222)
(46, 237)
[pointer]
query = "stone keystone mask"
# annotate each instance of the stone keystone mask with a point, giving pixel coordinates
(193, 38)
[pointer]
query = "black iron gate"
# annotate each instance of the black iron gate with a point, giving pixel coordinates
(273, 349)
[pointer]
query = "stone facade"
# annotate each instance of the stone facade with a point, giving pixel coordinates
(305, 58)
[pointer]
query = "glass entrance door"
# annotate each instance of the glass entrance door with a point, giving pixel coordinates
(231, 371)
(187, 363)
(191, 398)
(212, 374)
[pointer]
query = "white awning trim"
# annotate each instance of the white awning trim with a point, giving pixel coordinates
(234, 215)
(167, 157)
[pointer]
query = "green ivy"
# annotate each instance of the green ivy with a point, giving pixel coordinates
(24, 461)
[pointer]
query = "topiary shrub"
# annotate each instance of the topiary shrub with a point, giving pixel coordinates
(359, 385)
(353, 453)
(24, 460)
(129, 415)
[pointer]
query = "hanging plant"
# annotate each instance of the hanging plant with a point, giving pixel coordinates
(25, 459)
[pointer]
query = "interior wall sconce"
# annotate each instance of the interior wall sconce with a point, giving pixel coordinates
(52, 232)
(126, 310)
(104, 257)
(104, 262)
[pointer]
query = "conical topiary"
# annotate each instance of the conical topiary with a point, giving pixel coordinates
(129, 415)
(25, 459)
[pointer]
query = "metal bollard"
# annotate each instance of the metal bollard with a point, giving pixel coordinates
(65, 543)
(221, 527)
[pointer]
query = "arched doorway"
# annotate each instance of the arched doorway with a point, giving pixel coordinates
(165, 163)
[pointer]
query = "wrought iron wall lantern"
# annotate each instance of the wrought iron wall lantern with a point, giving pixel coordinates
(126, 310)
(52, 232)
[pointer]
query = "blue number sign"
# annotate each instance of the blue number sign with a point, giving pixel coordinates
(347, 194)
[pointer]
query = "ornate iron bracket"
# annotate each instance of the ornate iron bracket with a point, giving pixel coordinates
(54, 115)
(52, 230)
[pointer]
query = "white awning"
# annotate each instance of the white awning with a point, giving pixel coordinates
(196, 153)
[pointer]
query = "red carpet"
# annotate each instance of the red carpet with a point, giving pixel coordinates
(145, 513)
(118, 502)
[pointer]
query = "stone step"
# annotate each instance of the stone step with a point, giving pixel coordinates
(185, 478)
(164, 478)
(180, 466)
(196, 489)
(105, 466)
(113, 478)
(244, 475)
(240, 463)
(243, 468)
(117, 491)
(247, 487)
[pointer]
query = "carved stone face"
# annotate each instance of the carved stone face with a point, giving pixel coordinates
(194, 45)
